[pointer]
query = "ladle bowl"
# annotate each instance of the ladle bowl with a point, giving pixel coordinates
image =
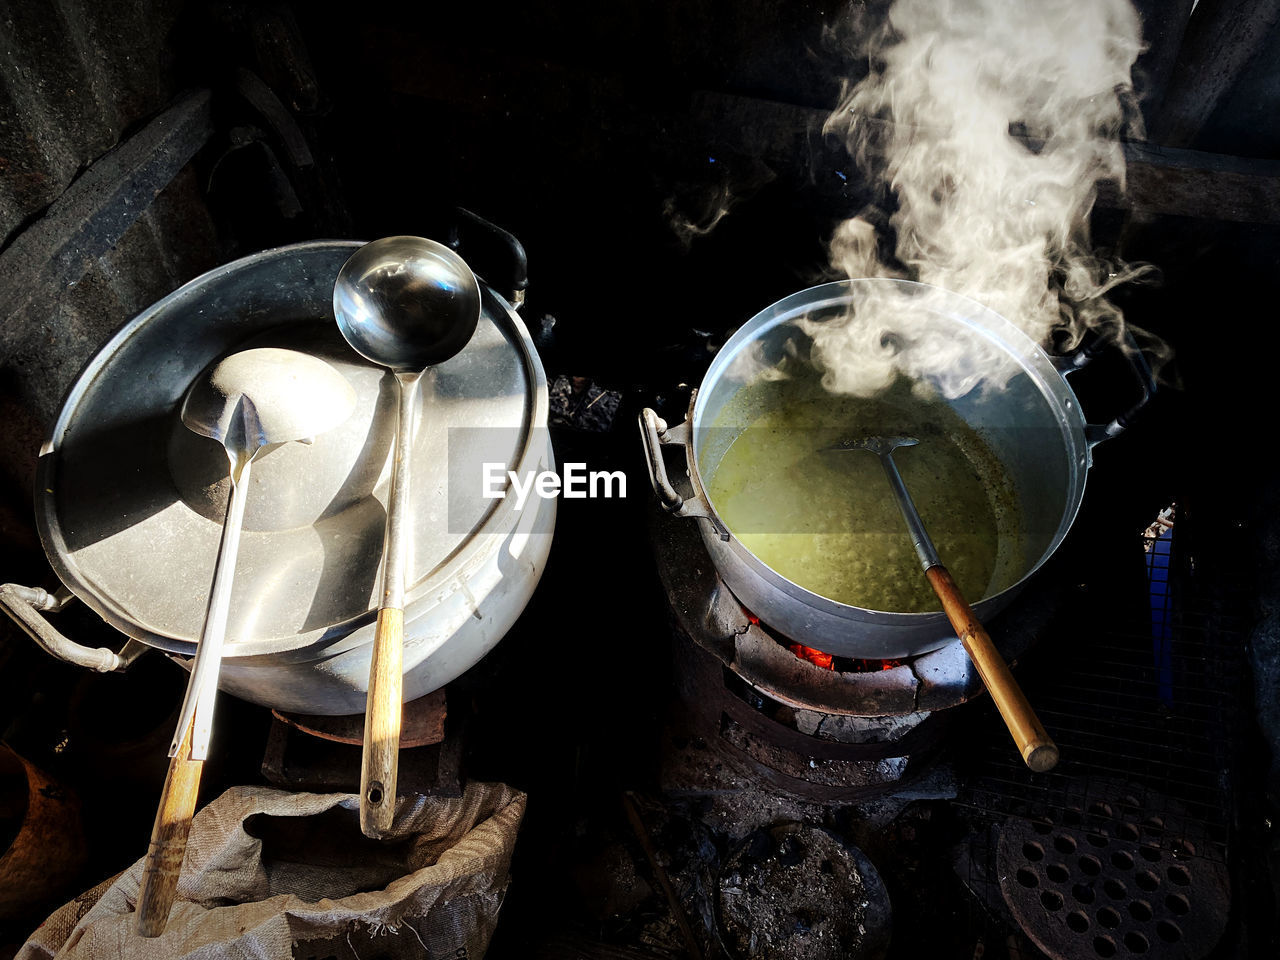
(406, 303)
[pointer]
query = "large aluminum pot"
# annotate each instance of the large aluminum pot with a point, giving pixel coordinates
(1023, 408)
(129, 503)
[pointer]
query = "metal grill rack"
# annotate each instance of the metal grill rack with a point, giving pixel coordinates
(1123, 849)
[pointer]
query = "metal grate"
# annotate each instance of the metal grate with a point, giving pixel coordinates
(1109, 881)
(1147, 708)
(1154, 705)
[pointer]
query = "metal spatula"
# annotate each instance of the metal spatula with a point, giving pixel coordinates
(249, 402)
(1038, 751)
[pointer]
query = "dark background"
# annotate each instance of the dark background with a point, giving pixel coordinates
(581, 127)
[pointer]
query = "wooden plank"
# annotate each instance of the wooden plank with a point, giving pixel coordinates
(786, 136)
(1160, 180)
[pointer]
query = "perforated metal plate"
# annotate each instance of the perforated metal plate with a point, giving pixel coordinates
(1122, 873)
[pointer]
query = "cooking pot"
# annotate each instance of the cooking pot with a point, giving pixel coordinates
(996, 378)
(129, 502)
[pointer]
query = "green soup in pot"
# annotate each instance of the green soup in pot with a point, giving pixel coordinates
(828, 521)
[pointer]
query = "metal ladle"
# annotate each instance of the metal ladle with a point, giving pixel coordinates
(1038, 751)
(407, 304)
(250, 402)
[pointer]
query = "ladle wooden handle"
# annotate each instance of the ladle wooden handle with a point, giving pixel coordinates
(168, 846)
(383, 710)
(1038, 750)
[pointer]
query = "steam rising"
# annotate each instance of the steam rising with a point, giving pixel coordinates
(992, 121)
(694, 212)
(689, 227)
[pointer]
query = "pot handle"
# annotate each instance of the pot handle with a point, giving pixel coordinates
(1095, 433)
(494, 251)
(26, 604)
(655, 434)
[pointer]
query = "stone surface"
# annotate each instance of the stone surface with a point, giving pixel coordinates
(73, 77)
(75, 80)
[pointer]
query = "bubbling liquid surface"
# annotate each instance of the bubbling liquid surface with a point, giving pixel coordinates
(828, 521)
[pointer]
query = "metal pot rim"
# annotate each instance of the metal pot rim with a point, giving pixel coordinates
(1030, 357)
(498, 522)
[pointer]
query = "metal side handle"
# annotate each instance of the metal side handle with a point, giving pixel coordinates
(26, 606)
(652, 430)
(654, 434)
(492, 251)
(1143, 375)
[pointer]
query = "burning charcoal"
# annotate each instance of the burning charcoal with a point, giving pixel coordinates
(582, 404)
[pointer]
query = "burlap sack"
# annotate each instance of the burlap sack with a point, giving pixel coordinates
(271, 874)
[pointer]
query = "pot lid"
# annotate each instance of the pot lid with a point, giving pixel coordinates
(130, 502)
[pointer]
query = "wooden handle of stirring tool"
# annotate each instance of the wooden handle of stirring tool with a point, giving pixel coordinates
(1038, 750)
(382, 725)
(169, 839)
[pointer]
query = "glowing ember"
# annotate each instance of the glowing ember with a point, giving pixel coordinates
(824, 660)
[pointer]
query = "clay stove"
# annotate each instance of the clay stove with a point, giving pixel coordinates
(842, 732)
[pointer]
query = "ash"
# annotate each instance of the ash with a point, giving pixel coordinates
(793, 891)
